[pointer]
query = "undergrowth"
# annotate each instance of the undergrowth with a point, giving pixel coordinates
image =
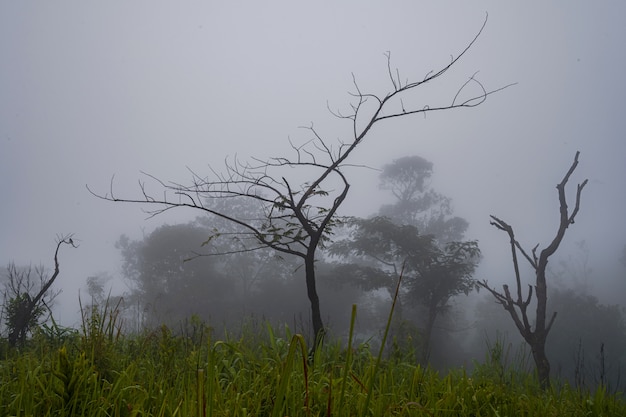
(101, 372)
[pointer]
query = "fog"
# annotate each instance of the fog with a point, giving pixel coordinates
(94, 91)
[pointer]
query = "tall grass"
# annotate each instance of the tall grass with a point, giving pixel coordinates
(102, 372)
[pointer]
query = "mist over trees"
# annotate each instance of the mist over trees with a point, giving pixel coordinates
(301, 194)
(586, 345)
(167, 288)
(308, 209)
(191, 269)
(204, 269)
(416, 203)
(415, 234)
(170, 282)
(274, 246)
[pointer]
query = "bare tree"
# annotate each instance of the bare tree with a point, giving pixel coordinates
(298, 216)
(23, 309)
(518, 307)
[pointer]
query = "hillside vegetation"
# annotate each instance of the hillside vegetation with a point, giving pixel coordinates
(101, 372)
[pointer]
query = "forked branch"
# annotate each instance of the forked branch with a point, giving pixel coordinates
(299, 219)
(517, 308)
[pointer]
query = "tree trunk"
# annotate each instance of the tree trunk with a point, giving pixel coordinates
(538, 347)
(316, 315)
(428, 331)
(538, 344)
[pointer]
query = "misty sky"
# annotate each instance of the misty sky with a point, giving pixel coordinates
(92, 90)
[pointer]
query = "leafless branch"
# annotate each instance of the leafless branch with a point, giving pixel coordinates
(310, 208)
(536, 337)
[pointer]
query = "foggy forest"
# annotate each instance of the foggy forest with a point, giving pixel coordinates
(190, 208)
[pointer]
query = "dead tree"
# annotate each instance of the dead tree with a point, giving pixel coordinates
(24, 309)
(518, 306)
(299, 215)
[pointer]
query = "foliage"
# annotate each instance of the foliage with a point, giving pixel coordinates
(447, 274)
(418, 232)
(266, 374)
(24, 303)
(238, 256)
(19, 317)
(168, 287)
(433, 273)
(17, 309)
(170, 282)
(504, 362)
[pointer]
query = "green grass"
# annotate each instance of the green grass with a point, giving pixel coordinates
(101, 372)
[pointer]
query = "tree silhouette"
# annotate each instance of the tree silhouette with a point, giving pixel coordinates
(433, 273)
(170, 290)
(518, 306)
(23, 308)
(417, 203)
(299, 215)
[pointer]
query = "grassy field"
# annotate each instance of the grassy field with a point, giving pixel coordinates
(100, 372)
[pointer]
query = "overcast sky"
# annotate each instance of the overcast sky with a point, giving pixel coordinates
(89, 90)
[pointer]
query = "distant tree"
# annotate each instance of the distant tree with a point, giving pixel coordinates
(26, 300)
(518, 307)
(95, 287)
(169, 288)
(433, 274)
(170, 281)
(300, 195)
(102, 304)
(247, 266)
(417, 203)
(417, 228)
